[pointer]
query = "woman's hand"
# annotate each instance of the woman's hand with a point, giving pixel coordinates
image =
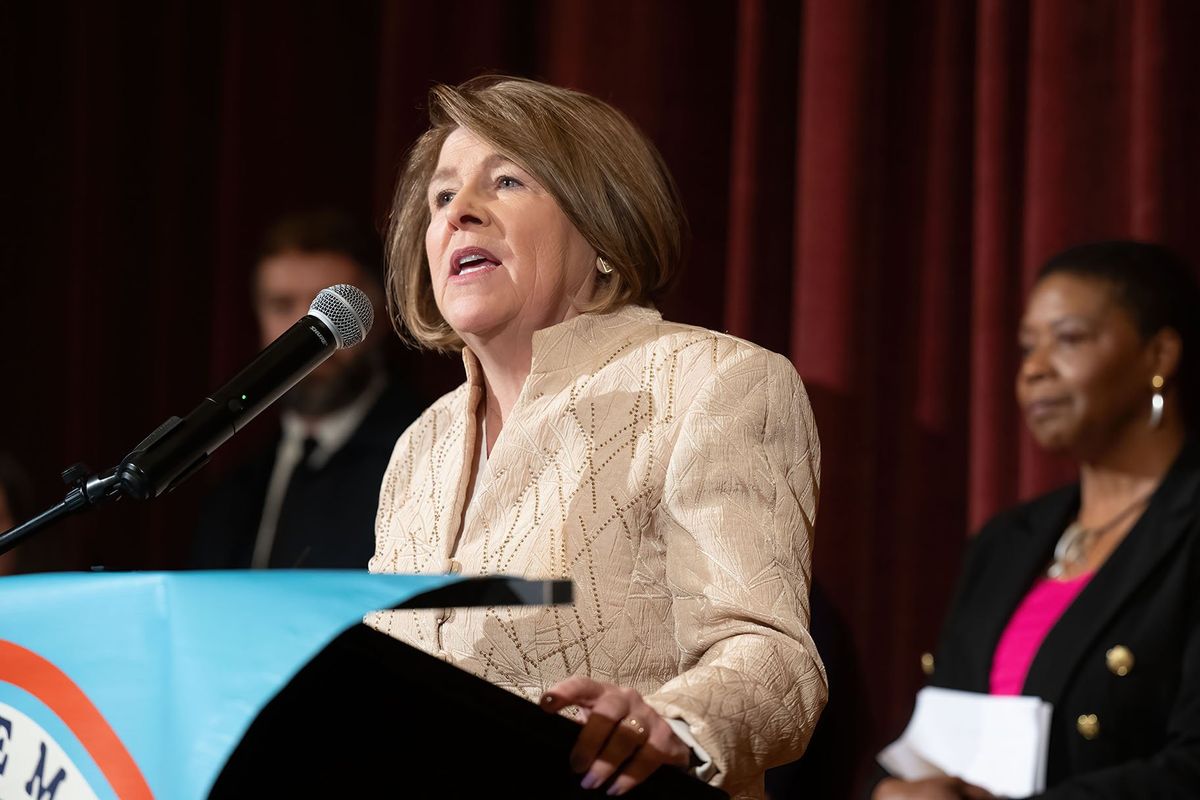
(621, 734)
(943, 787)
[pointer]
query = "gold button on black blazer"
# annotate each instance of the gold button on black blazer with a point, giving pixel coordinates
(1122, 665)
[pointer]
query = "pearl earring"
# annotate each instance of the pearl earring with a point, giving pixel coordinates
(1156, 401)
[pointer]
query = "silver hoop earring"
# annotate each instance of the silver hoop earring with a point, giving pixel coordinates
(1156, 401)
(603, 265)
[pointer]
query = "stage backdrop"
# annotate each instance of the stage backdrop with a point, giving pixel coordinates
(871, 185)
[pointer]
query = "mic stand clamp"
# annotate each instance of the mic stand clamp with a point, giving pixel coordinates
(86, 490)
(89, 489)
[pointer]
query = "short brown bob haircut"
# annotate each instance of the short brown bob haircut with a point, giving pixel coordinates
(604, 173)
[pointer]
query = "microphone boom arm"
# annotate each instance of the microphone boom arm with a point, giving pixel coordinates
(340, 316)
(87, 491)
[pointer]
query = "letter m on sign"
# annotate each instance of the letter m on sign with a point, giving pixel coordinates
(38, 779)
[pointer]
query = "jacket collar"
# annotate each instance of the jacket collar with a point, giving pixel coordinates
(560, 354)
(1028, 547)
(1151, 540)
(1010, 572)
(574, 344)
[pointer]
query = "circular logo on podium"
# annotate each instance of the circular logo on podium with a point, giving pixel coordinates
(34, 764)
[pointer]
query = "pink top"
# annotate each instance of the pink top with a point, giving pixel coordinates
(1030, 623)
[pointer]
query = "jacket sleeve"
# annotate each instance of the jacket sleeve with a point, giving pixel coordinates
(736, 520)
(951, 661)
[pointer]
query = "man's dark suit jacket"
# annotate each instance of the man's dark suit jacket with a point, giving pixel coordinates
(329, 520)
(1146, 597)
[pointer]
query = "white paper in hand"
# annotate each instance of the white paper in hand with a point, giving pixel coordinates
(999, 743)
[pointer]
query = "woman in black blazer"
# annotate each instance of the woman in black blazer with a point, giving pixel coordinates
(1109, 375)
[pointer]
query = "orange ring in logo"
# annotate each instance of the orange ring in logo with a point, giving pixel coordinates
(29, 671)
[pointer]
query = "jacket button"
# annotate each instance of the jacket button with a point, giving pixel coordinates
(927, 663)
(1119, 660)
(1088, 726)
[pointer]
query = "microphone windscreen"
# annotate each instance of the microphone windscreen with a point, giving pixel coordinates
(347, 310)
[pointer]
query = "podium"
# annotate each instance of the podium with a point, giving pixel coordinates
(372, 717)
(265, 684)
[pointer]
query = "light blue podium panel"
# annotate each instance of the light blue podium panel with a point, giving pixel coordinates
(136, 685)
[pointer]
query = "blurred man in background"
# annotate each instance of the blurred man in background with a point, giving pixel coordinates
(309, 500)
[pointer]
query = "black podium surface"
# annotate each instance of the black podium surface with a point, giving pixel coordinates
(372, 717)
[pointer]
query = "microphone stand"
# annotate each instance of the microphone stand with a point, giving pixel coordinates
(87, 491)
(339, 316)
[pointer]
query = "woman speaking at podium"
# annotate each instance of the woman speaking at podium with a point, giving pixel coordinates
(669, 471)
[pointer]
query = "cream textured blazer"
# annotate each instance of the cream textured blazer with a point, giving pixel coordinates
(669, 471)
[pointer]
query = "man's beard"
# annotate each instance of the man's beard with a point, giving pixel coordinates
(315, 398)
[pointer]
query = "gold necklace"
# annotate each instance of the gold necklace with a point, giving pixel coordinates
(1072, 547)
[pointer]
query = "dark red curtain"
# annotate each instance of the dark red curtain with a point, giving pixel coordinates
(871, 185)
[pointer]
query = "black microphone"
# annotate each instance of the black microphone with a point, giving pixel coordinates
(339, 316)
